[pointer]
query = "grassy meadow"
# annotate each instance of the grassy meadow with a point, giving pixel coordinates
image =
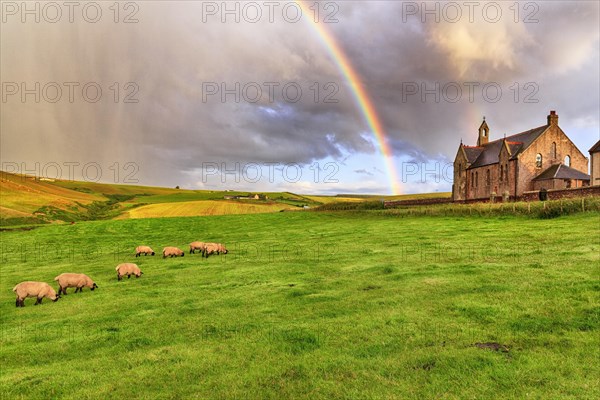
(346, 305)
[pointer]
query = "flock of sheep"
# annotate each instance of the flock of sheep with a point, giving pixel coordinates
(39, 290)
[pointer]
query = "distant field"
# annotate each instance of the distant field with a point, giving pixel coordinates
(307, 305)
(25, 201)
(23, 194)
(200, 208)
(415, 196)
(333, 199)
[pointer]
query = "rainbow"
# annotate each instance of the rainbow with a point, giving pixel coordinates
(363, 101)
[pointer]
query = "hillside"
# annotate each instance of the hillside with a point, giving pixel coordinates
(27, 200)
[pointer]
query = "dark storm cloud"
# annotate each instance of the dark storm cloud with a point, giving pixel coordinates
(172, 55)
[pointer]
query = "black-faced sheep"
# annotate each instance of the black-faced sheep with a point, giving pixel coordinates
(145, 250)
(213, 248)
(196, 246)
(128, 269)
(34, 289)
(78, 281)
(172, 252)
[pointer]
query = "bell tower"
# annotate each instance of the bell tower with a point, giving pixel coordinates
(484, 133)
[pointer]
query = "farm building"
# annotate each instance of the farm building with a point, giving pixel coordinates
(540, 158)
(595, 161)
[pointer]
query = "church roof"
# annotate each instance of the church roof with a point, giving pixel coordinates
(595, 148)
(472, 152)
(560, 171)
(490, 152)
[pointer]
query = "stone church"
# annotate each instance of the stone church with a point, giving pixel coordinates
(540, 158)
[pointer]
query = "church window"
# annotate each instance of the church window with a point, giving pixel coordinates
(538, 160)
(554, 150)
(568, 161)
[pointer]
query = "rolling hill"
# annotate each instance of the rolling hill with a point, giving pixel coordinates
(29, 200)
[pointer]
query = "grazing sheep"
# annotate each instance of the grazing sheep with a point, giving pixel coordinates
(196, 246)
(78, 281)
(34, 289)
(145, 250)
(172, 252)
(213, 248)
(128, 269)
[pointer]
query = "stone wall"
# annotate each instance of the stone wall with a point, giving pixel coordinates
(563, 193)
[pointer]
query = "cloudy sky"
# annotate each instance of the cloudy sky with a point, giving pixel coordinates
(248, 95)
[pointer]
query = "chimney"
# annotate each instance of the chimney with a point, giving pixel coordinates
(553, 118)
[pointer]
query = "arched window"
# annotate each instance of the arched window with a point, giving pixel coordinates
(487, 177)
(476, 178)
(568, 161)
(506, 172)
(501, 172)
(473, 179)
(538, 160)
(553, 150)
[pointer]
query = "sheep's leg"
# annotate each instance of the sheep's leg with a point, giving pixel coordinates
(118, 277)
(17, 303)
(128, 276)
(39, 301)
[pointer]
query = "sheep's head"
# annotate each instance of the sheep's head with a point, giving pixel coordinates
(138, 274)
(56, 297)
(94, 286)
(152, 253)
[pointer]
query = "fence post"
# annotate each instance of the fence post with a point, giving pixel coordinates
(561, 207)
(583, 204)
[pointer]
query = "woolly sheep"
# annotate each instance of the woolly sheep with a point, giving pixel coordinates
(143, 250)
(78, 281)
(128, 269)
(213, 248)
(172, 252)
(34, 289)
(196, 246)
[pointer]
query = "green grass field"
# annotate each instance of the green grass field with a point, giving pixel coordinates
(308, 305)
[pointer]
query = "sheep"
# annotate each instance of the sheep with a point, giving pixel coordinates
(128, 269)
(196, 246)
(34, 289)
(78, 281)
(143, 250)
(172, 252)
(213, 248)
